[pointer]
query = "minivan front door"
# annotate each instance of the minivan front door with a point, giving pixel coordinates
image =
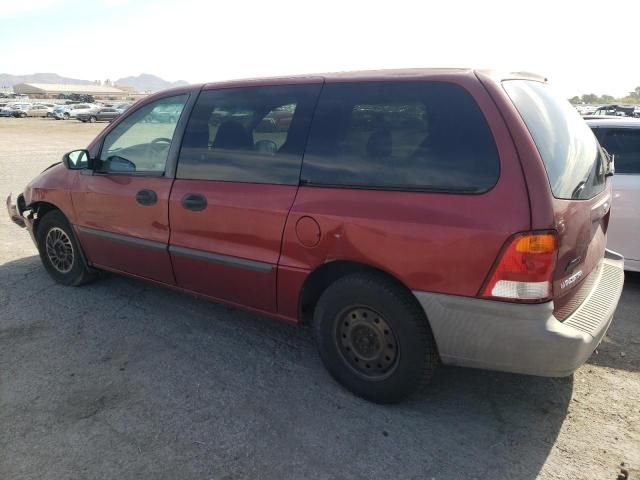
(122, 206)
(237, 177)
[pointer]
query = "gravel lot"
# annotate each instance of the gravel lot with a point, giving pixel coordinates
(121, 379)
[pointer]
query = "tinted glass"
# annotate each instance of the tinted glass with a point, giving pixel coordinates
(403, 135)
(140, 143)
(252, 134)
(566, 144)
(625, 145)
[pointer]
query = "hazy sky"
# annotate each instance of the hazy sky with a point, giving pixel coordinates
(582, 46)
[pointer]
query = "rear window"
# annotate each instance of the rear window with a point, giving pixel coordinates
(566, 144)
(400, 135)
(625, 145)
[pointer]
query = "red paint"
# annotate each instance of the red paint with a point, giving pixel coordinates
(52, 186)
(308, 231)
(108, 203)
(242, 220)
(581, 233)
(432, 242)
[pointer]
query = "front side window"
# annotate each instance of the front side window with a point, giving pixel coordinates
(575, 166)
(140, 143)
(625, 145)
(249, 134)
(428, 136)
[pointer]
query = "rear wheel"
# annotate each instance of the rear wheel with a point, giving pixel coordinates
(373, 338)
(92, 119)
(60, 252)
(66, 116)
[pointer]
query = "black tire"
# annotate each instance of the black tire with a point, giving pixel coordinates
(66, 116)
(93, 119)
(390, 305)
(55, 228)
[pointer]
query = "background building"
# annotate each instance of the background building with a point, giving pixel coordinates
(52, 90)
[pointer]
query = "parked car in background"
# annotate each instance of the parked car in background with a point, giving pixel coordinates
(122, 107)
(613, 111)
(61, 112)
(621, 138)
(585, 109)
(35, 110)
(103, 114)
(6, 110)
(50, 107)
(79, 108)
(12, 108)
(64, 112)
(439, 215)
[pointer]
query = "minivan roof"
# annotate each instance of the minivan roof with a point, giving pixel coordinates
(376, 75)
(362, 75)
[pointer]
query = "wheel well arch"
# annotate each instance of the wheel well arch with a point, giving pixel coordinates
(41, 209)
(324, 275)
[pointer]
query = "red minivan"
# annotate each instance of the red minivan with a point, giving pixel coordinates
(411, 216)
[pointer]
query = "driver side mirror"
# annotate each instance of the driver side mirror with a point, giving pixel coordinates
(77, 160)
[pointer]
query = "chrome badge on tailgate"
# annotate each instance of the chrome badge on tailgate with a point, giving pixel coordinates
(567, 282)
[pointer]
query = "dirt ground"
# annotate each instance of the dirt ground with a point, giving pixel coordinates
(122, 379)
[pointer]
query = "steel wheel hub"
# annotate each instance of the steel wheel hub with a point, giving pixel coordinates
(367, 342)
(59, 250)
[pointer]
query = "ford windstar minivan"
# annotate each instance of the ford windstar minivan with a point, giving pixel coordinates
(411, 216)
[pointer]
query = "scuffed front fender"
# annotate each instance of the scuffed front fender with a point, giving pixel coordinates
(52, 186)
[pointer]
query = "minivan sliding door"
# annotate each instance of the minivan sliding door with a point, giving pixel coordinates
(237, 177)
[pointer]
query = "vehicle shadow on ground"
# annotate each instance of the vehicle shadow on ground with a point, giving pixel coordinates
(153, 383)
(620, 349)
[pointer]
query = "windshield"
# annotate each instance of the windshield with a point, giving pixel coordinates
(569, 150)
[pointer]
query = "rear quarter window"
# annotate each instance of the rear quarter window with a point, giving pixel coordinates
(427, 136)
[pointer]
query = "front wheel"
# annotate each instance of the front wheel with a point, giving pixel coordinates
(60, 252)
(93, 119)
(66, 116)
(374, 338)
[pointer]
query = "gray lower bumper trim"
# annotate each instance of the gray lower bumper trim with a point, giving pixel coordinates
(524, 338)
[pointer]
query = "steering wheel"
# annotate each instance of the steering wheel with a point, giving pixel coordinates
(155, 148)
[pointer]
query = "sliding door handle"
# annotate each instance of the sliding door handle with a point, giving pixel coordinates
(194, 202)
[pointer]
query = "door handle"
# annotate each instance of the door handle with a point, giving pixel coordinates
(146, 197)
(194, 202)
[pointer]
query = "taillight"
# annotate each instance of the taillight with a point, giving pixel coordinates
(524, 270)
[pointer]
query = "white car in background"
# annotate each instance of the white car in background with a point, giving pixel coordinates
(621, 138)
(64, 112)
(80, 108)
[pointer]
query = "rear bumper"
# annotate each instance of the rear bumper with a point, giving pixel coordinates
(521, 338)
